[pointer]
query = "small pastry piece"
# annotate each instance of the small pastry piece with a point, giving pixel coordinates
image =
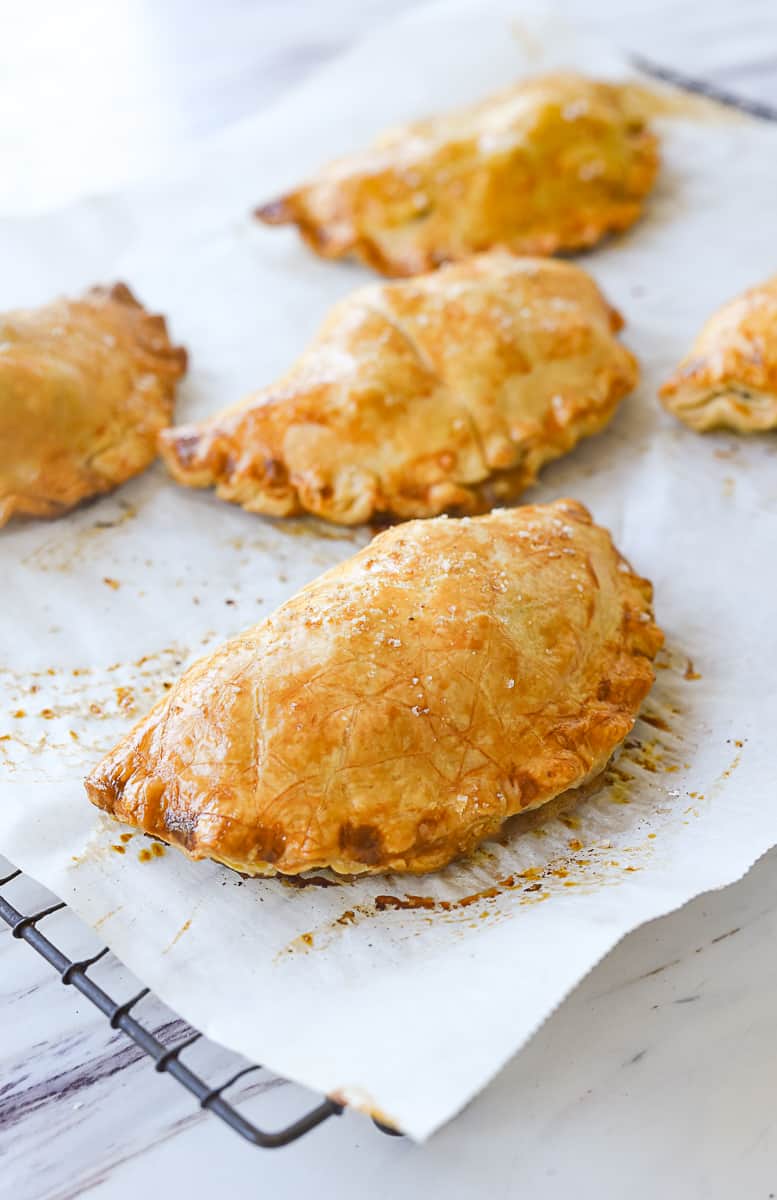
(397, 710)
(729, 379)
(85, 387)
(550, 164)
(444, 392)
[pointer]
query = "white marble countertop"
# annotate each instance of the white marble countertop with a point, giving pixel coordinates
(658, 1075)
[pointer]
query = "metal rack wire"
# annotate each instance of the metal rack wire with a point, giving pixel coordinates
(687, 83)
(166, 1059)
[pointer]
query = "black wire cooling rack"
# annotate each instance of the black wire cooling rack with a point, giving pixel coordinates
(687, 83)
(166, 1059)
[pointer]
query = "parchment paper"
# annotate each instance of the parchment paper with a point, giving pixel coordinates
(405, 1011)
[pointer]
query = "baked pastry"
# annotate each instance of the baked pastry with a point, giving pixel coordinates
(85, 386)
(551, 164)
(444, 392)
(396, 711)
(729, 379)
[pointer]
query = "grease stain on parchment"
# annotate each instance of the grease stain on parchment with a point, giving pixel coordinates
(184, 929)
(179, 934)
(81, 539)
(90, 537)
(154, 850)
(86, 709)
(595, 837)
(609, 831)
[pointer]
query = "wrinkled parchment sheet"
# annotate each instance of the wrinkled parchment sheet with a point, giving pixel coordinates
(403, 996)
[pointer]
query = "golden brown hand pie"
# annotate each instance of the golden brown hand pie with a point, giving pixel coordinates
(444, 392)
(729, 379)
(550, 164)
(397, 710)
(85, 386)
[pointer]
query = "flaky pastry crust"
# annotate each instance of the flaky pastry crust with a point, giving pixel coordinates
(85, 387)
(550, 164)
(446, 392)
(729, 378)
(396, 711)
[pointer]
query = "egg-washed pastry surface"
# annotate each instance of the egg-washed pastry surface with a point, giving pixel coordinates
(442, 393)
(550, 164)
(729, 378)
(396, 711)
(85, 387)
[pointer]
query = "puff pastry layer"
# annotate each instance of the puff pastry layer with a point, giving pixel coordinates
(85, 386)
(550, 164)
(397, 710)
(446, 392)
(729, 378)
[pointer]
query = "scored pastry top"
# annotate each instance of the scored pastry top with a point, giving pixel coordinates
(446, 392)
(397, 710)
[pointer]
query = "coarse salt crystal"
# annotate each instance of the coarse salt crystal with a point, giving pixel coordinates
(575, 109)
